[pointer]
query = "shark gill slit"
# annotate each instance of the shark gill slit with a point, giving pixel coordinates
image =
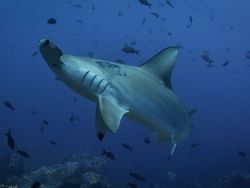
(98, 85)
(94, 77)
(84, 76)
(105, 87)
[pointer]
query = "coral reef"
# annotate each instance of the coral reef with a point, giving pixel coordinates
(11, 165)
(83, 171)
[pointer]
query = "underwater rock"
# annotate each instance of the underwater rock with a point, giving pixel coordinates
(193, 184)
(235, 180)
(78, 171)
(11, 165)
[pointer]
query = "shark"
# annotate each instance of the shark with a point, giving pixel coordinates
(142, 93)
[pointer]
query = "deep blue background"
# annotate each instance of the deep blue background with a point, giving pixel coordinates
(221, 94)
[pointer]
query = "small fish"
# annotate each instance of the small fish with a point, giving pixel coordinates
(248, 54)
(155, 14)
(147, 140)
(120, 13)
(77, 5)
(10, 140)
(36, 184)
(51, 21)
(126, 146)
(133, 185)
(195, 145)
(137, 176)
(242, 154)
(170, 34)
(73, 118)
(211, 18)
(133, 43)
(45, 122)
(23, 153)
(143, 21)
(225, 63)
(206, 57)
(130, 50)
(34, 53)
(52, 142)
(108, 154)
(33, 112)
(145, 2)
(192, 112)
(190, 22)
(9, 105)
(169, 3)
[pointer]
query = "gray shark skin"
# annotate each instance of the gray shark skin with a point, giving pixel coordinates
(141, 93)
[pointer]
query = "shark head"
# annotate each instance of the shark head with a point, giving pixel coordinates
(84, 75)
(50, 52)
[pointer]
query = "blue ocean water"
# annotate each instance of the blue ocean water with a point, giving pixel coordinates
(102, 28)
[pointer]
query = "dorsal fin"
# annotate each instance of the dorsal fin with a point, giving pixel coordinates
(161, 65)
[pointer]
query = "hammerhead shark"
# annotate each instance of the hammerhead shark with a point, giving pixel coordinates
(142, 93)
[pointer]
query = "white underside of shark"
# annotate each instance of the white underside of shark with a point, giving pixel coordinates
(141, 93)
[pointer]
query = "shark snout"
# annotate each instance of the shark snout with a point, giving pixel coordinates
(46, 43)
(50, 52)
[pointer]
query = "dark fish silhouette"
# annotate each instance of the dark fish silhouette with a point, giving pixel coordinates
(130, 50)
(192, 112)
(34, 53)
(45, 122)
(33, 112)
(206, 57)
(143, 21)
(195, 145)
(73, 118)
(169, 3)
(133, 43)
(155, 14)
(10, 140)
(36, 184)
(147, 140)
(225, 63)
(77, 5)
(127, 147)
(145, 2)
(52, 142)
(23, 153)
(137, 176)
(133, 185)
(9, 105)
(248, 54)
(190, 22)
(242, 154)
(108, 154)
(51, 21)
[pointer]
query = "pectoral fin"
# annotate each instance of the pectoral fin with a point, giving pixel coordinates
(111, 113)
(101, 128)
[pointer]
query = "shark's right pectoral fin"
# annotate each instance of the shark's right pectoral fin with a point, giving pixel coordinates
(111, 113)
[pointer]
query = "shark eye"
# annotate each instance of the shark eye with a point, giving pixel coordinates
(46, 42)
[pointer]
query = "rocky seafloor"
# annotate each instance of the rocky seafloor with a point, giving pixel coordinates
(87, 171)
(78, 171)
